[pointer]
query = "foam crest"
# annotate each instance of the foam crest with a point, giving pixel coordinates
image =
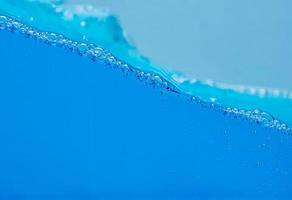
(242, 89)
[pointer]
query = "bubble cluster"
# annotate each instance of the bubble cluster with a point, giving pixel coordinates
(99, 54)
(259, 117)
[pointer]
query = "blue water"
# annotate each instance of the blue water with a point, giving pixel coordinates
(82, 127)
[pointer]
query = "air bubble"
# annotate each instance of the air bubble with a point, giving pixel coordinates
(82, 48)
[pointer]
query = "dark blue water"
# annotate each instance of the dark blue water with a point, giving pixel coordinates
(71, 128)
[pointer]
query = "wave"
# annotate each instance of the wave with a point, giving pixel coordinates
(98, 34)
(99, 54)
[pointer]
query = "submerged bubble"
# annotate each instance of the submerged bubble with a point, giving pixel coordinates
(52, 37)
(82, 48)
(3, 21)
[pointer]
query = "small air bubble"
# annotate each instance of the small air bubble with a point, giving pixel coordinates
(259, 164)
(3, 19)
(82, 23)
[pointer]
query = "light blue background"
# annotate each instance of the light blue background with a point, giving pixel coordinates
(239, 42)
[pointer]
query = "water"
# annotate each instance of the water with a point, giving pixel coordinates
(77, 122)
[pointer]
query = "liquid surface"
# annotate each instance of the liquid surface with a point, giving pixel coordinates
(95, 25)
